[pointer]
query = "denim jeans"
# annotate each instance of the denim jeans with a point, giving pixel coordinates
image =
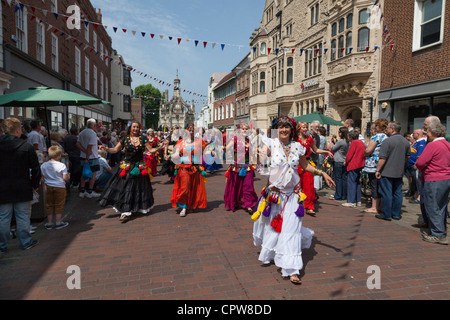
(340, 178)
(391, 197)
(22, 213)
(354, 186)
(436, 198)
(103, 180)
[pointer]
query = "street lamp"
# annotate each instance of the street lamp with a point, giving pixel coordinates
(371, 101)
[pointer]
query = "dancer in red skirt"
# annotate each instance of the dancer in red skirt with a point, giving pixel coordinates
(306, 178)
(189, 188)
(152, 158)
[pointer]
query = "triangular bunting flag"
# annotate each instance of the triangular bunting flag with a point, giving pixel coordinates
(133, 32)
(204, 44)
(143, 34)
(196, 42)
(223, 46)
(179, 40)
(115, 29)
(152, 35)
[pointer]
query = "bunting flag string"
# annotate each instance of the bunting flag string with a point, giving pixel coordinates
(100, 55)
(387, 38)
(150, 98)
(276, 51)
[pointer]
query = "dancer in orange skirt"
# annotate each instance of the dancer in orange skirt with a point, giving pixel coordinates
(152, 157)
(189, 188)
(306, 178)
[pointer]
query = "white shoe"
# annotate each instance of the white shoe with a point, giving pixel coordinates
(93, 195)
(82, 194)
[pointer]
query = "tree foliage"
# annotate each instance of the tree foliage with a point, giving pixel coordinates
(151, 105)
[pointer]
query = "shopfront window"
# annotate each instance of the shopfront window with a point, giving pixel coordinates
(412, 113)
(57, 120)
(441, 109)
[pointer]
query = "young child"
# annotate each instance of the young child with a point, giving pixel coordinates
(55, 176)
(354, 161)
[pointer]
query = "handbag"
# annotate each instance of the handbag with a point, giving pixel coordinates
(87, 172)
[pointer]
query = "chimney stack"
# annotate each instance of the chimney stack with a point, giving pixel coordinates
(99, 16)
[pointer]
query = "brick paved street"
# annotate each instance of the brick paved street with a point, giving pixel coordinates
(209, 255)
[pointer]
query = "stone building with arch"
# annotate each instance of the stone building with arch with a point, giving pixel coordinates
(175, 112)
(323, 59)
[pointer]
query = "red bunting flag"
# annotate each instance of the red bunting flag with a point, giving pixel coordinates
(96, 26)
(124, 30)
(204, 44)
(152, 35)
(268, 50)
(179, 40)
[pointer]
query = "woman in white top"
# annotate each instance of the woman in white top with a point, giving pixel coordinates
(278, 222)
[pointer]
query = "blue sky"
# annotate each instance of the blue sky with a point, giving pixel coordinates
(231, 22)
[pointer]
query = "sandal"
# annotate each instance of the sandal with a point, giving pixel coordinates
(311, 212)
(183, 213)
(124, 218)
(295, 279)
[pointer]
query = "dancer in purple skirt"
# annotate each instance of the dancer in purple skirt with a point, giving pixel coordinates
(240, 190)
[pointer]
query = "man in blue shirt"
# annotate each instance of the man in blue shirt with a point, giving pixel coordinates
(416, 151)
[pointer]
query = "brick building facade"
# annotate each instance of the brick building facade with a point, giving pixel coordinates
(224, 106)
(242, 71)
(41, 50)
(415, 75)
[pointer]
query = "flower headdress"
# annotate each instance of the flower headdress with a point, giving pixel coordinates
(286, 120)
(283, 119)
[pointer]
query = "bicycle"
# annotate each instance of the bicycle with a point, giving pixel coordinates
(328, 167)
(365, 184)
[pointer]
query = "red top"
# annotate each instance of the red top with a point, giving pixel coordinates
(355, 156)
(307, 144)
(435, 161)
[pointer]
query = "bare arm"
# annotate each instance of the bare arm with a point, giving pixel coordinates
(114, 150)
(370, 148)
(320, 151)
(309, 168)
(381, 164)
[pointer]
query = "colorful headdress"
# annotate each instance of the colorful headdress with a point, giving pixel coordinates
(285, 120)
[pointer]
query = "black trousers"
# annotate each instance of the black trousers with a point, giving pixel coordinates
(75, 170)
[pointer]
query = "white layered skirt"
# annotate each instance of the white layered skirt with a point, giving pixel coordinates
(284, 248)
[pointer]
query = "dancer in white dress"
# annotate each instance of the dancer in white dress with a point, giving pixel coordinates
(278, 227)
